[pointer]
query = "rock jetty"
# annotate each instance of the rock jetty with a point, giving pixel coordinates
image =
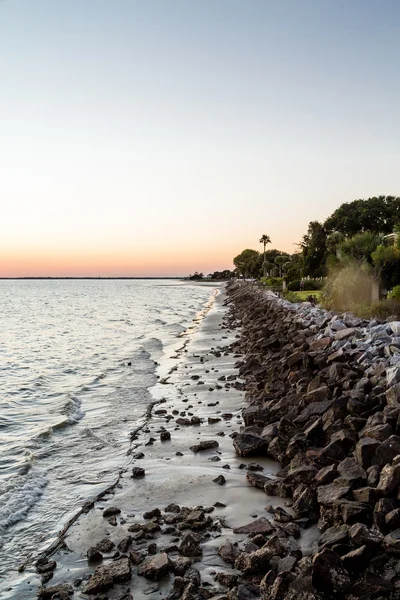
(323, 394)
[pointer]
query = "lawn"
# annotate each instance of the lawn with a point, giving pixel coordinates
(303, 295)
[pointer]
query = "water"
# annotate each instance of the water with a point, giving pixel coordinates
(77, 364)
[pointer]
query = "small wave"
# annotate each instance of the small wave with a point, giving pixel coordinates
(20, 495)
(73, 410)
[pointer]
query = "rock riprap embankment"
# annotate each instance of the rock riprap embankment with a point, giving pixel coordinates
(324, 400)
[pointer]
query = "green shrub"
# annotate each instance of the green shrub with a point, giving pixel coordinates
(310, 285)
(291, 296)
(396, 293)
(272, 281)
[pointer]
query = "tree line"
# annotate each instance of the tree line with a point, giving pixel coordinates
(364, 231)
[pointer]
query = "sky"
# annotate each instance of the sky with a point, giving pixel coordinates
(161, 137)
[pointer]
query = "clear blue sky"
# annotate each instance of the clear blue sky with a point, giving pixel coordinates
(164, 136)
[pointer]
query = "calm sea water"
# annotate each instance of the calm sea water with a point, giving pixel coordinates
(77, 362)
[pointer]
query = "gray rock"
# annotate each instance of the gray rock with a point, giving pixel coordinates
(155, 567)
(204, 445)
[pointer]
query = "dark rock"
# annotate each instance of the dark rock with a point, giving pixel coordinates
(190, 545)
(326, 474)
(392, 540)
(61, 591)
(138, 472)
(355, 560)
(205, 445)
(105, 545)
(247, 444)
(180, 565)
(389, 479)
(228, 552)
(94, 555)
(104, 576)
(253, 562)
(387, 451)
(165, 436)
(329, 575)
(192, 575)
(151, 514)
(261, 525)
(328, 494)
(351, 472)
(368, 495)
(155, 567)
(124, 544)
(220, 480)
(334, 535)
(361, 535)
(256, 480)
(44, 565)
(365, 451)
(111, 511)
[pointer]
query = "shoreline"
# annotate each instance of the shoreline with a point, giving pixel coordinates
(193, 471)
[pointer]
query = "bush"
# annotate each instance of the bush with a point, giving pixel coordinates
(291, 296)
(272, 281)
(396, 293)
(310, 285)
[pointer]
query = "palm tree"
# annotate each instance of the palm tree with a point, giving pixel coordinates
(265, 239)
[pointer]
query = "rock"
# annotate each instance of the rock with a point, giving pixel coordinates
(351, 472)
(190, 545)
(192, 575)
(151, 514)
(256, 480)
(253, 562)
(228, 580)
(44, 565)
(205, 445)
(105, 545)
(220, 480)
(387, 451)
(228, 552)
(180, 565)
(367, 495)
(183, 421)
(248, 444)
(326, 474)
(138, 472)
(370, 586)
(355, 560)
(94, 555)
(106, 575)
(246, 591)
(328, 494)
(165, 436)
(281, 516)
(392, 540)
(365, 451)
(361, 535)
(111, 511)
(55, 591)
(389, 479)
(328, 574)
(392, 519)
(138, 455)
(172, 508)
(155, 567)
(124, 544)
(261, 525)
(333, 536)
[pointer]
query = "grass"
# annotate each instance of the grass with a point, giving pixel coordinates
(301, 296)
